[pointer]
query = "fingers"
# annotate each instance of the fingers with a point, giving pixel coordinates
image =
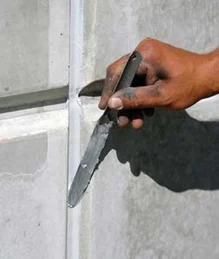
(109, 84)
(123, 118)
(137, 123)
(113, 74)
(135, 117)
(139, 97)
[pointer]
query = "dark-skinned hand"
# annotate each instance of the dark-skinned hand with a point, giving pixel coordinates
(173, 78)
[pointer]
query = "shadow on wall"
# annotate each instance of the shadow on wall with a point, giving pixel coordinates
(175, 150)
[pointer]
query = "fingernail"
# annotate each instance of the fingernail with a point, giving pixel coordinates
(115, 103)
(122, 121)
(101, 105)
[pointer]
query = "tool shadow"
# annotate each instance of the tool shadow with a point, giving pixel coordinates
(175, 150)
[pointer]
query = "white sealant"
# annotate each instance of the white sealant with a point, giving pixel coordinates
(76, 52)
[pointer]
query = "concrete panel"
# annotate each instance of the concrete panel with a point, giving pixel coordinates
(33, 185)
(113, 28)
(34, 45)
(171, 209)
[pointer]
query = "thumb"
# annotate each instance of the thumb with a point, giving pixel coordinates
(138, 97)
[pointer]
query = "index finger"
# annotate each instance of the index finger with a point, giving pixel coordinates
(113, 73)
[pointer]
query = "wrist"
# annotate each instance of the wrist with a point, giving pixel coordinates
(212, 69)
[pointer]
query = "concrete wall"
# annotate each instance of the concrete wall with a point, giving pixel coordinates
(34, 45)
(33, 177)
(171, 209)
(33, 141)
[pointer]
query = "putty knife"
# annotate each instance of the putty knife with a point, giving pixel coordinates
(99, 136)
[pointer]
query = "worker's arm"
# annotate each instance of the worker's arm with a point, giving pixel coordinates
(175, 79)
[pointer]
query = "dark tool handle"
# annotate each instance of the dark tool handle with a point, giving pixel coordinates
(128, 75)
(125, 80)
(129, 71)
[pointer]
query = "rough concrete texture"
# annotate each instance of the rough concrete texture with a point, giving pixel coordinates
(34, 56)
(114, 28)
(34, 45)
(33, 183)
(171, 209)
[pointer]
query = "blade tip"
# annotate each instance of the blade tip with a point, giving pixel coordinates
(72, 202)
(70, 206)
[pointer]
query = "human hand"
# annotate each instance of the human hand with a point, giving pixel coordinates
(173, 78)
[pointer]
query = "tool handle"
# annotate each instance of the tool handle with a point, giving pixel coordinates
(128, 75)
(129, 71)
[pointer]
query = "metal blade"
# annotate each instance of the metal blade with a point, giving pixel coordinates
(89, 161)
(94, 88)
(99, 136)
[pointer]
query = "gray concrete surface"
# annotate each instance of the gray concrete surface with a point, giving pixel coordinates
(33, 185)
(171, 209)
(114, 28)
(34, 56)
(34, 45)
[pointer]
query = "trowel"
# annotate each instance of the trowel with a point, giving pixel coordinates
(101, 131)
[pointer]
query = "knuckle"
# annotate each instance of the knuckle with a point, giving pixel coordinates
(157, 90)
(112, 75)
(165, 96)
(113, 72)
(115, 68)
(149, 41)
(175, 106)
(145, 43)
(110, 69)
(148, 48)
(169, 99)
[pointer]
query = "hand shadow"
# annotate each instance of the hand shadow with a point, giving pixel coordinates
(175, 150)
